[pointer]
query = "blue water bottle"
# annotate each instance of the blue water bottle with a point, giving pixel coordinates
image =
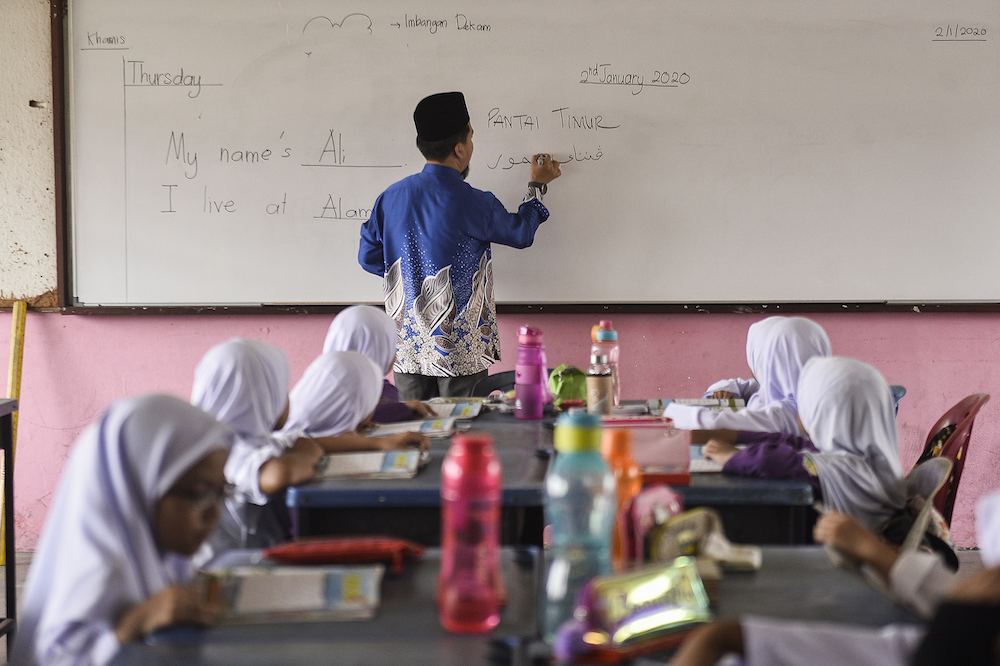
(580, 508)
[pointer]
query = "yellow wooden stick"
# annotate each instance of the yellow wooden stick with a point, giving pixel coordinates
(20, 313)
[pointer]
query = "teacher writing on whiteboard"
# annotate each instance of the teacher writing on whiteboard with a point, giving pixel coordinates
(429, 238)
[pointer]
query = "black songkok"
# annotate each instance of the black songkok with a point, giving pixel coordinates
(440, 116)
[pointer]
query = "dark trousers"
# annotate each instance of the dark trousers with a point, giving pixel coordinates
(423, 387)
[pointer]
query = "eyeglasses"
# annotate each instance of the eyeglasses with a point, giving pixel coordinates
(203, 500)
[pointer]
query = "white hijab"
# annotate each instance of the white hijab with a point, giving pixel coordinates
(988, 528)
(337, 391)
(243, 383)
(777, 349)
(98, 557)
(362, 328)
(848, 411)
(777, 352)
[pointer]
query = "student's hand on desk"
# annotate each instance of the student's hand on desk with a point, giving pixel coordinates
(545, 172)
(723, 395)
(404, 440)
(420, 409)
(719, 451)
(173, 605)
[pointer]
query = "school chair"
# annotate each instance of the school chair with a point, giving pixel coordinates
(897, 394)
(949, 438)
(924, 482)
(501, 381)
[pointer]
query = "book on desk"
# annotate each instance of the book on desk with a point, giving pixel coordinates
(267, 594)
(399, 464)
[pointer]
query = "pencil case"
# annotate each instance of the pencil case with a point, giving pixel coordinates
(347, 550)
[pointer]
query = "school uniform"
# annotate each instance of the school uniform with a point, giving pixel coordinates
(336, 392)
(848, 411)
(958, 634)
(777, 349)
(429, 237)
(370, 331)
(244, 383)
(97, 557)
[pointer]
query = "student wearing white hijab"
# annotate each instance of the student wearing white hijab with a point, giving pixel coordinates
(742, 388)
(139, 494)
(244, 383)
(337, 392)
(777, 349)
(974, 606)
(848, 412)
(370, 331)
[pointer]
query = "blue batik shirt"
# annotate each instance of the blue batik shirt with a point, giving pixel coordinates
(429, 237)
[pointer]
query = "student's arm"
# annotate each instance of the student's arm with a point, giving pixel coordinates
(851, 538)
(710, 643)
(767, 456)
(297, 465)
(518, 229)
(352, 441)
(371, 253)
(173, 605)
(775, 417)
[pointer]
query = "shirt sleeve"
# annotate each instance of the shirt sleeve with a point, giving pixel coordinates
(516, 230)
(371, 254)
(742, 388)
(771, 456)
(769, 642)
(920, 580)
(243, 468)
(80, 644)
(775, 417)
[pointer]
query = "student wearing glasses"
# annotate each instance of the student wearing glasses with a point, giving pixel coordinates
(138, 496)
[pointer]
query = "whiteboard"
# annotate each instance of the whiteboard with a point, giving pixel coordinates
(227, 151)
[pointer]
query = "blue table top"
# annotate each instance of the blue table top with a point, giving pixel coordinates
(523, 448)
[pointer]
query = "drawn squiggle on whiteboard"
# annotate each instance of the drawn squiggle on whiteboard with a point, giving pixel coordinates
(343, 21)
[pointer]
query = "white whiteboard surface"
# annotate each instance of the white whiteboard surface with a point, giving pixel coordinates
(227, 151)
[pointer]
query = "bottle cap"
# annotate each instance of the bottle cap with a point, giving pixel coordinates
(604, 335)
(527, 335)
(616, 443)
(607, 325)
(576, 433)
(473, 437)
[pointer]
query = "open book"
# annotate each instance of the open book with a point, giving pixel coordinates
(442, 427)
(401, 464)
(459, 410)
(253, 594)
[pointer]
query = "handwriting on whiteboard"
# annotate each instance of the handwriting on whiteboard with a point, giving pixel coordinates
(604, 74)
(960, 33)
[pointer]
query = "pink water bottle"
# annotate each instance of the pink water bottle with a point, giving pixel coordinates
(470, 587)
(531, 375)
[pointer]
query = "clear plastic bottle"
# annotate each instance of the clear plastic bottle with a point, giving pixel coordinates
(616, 449)
(579, 507)
(470, 587)
(600, 385)
(604, 339)
(531, 377)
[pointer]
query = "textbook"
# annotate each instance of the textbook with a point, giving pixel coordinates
(459, 410)
(441, 427)
(255, 594)
(401, 464)
(657, 405)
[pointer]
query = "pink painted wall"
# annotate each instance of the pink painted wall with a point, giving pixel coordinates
(75, 366)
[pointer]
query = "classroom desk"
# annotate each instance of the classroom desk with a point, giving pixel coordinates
(8, 624)
(795, 582)
(753, 510)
